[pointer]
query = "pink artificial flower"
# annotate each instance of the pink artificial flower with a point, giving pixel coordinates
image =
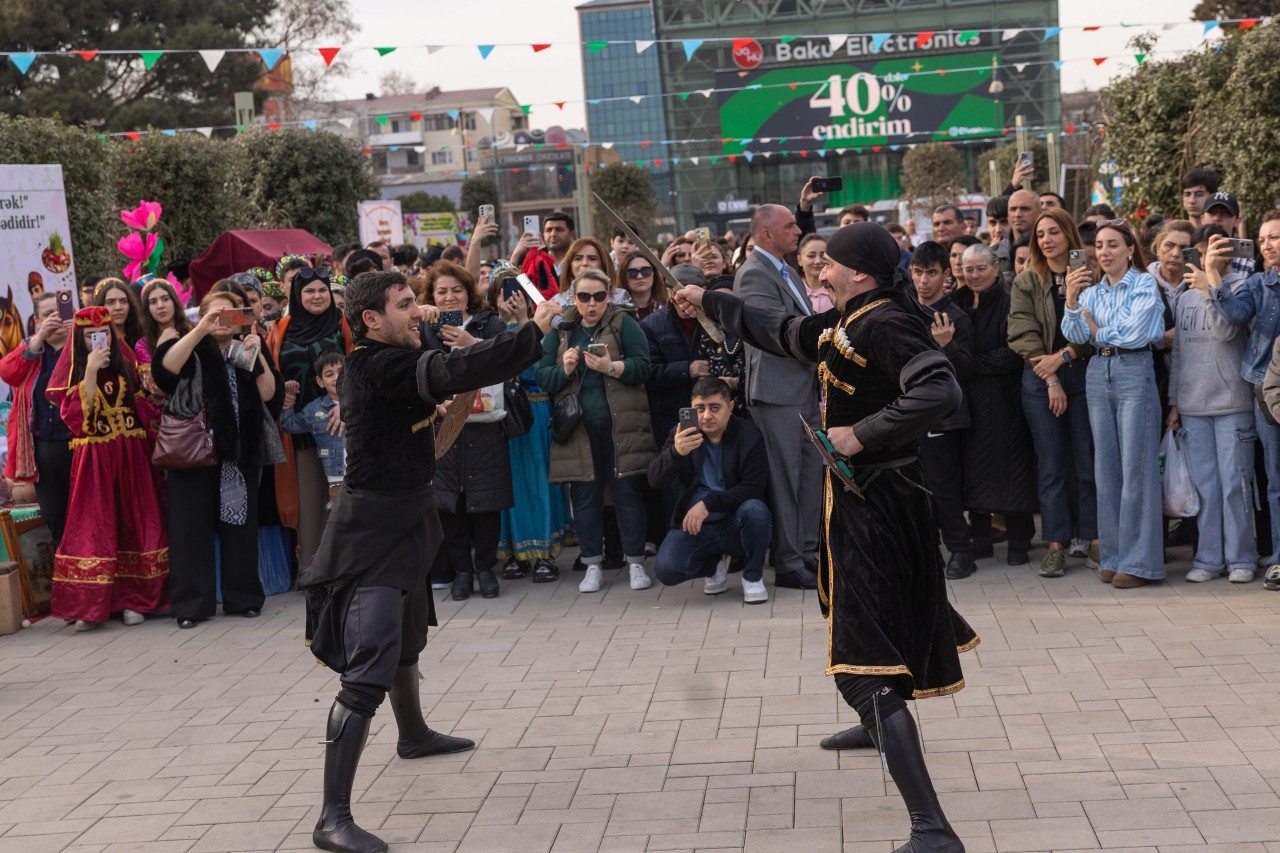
(144, 218)
(137, 248)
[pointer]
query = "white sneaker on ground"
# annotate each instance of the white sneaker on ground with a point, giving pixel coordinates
(717, 584)
(133, 617)
(1241, 575)
(1078, 548)
(82, 626)
(1203, 575)
(754, 592)
(591, 580)
(639, 577)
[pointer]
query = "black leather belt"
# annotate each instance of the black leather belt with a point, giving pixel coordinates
(1107, 352)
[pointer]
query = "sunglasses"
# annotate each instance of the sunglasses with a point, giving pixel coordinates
(1110, 223)
(640, 272)
(307, 275)
(598, 296)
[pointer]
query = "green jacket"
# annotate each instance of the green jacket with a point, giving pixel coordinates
(628, 401)
(1032, 319)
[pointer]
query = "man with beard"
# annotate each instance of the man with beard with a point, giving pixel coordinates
(892, 634)
(369, 605)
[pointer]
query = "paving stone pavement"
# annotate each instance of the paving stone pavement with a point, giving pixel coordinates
(664, 720)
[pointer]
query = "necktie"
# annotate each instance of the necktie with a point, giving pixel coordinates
(804, 303)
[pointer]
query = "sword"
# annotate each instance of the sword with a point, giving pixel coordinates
(673, 284)
(838, 464)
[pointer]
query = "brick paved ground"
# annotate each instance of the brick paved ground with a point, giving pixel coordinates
(662, 720)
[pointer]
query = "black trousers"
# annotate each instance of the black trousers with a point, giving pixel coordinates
(194, 525)
(53, 488)
(942, 457)
(1021, 525)
(464, 531)
(385, 628)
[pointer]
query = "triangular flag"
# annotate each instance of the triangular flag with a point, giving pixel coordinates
(539, 48)
(923, 38)
(86, 55)
(329, 54)
(560, 104)
(134, 135)
(275, 125)
(23, 60)
(643, 45)
(453, 114)
(383, 51)
(1141, 57)
(787, 39)
(658, 163)
(212, 58)
(606, 145)
(837, 42)
(646, 143)
(1209, 25)
(524, 108)
(206, 132)
(968, 35)
(706, 93)
(1057, 63)
(733, 158)
(1098, 60)
(1020, 66)
(382, 120)
(346, 122)
(1050, 32)
(745, 142)
(597, 46)
(748, 155)
(1009, 34)
(310, 125)
(1091, 29)
(675, 161)
(270, 57)
(415, 116)
(694, 160)
(684, 96)
(1248, 23)
(149, 57)
(486, 113)
(421, 149)
(822, 152)
(169, 132)
(690, 47)
(877, 41)
(389, 147)
(594, 101)
(432, 49)
(485, 50)
(841, 150)
(635, 99)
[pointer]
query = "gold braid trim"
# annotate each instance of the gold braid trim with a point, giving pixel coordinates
(104, 570)
(423, 424)
(825, 375)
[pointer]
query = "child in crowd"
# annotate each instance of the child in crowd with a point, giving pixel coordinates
(313, 420)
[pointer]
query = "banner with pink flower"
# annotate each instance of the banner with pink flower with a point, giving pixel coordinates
(35, 246)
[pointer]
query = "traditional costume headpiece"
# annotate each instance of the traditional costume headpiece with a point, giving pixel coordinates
(93, 317)
(286, 260)
(272, 289)
(503, 268)
(104, 284)
(262, 274)
(248, 281)
(338, 283)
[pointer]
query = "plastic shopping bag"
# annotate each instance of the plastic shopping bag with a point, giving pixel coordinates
(1181, 500)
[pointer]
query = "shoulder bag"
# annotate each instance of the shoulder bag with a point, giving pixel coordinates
(184, 440)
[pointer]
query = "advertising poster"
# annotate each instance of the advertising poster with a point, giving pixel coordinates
(436, 229)
(380, 221)
(35, 246)
(855, 98)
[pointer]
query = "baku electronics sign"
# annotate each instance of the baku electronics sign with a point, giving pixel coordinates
(885, 99)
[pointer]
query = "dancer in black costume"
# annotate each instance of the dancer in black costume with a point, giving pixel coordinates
(892, 635)
(369, 602)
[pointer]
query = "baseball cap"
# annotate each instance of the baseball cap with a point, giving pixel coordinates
(1224, 200)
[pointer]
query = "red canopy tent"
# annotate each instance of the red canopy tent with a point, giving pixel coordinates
(237, 251)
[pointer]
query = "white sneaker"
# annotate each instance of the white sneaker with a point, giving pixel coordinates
(1241, 576)
(1078, 548)
(639, 577)
(133, 617)
(1203, 575)
(717, 584)
(754, 592)
(82, 626)
(592, 580)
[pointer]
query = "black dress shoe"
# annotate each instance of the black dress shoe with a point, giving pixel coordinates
(1018, 555)
(852, 738)
(462, 584)
(186, 623)
(801, 578)
(960, 565)
(488, 583)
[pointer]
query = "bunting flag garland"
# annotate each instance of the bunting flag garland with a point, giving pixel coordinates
(212, 58)
(270, 57)
(691, 47)
(150, 57)
(485, 50)
(88, 55)
(22, 61)
(329, 54)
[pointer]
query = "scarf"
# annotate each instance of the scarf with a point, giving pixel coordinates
(306, 328)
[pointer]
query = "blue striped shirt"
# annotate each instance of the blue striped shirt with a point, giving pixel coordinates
(1129, 313)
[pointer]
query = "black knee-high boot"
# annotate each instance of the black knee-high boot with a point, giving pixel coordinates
(854, 737)
(416, 739)
(336, 830)
(900, 743)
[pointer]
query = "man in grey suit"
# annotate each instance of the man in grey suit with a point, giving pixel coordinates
(779, 391)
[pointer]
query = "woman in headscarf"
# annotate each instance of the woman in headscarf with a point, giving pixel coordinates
(314, 325)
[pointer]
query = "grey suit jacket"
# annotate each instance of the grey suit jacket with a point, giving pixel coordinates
(771, 379)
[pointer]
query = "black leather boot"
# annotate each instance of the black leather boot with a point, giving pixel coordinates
(336, 830)
(416, 739)
(852, 738)
(900, 742)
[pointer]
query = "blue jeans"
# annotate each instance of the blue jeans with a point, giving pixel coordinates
(1220, 450)
(1055, 438)
(744, 534)
(588, 501)
(1124, 412)
(1269, 435)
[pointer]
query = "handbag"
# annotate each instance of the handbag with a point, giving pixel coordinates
(566, 414)
(183, 443)
(519, 419)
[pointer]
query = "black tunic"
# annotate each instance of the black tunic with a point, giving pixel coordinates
(881, 584)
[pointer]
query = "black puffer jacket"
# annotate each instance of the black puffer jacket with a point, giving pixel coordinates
(671, 349)
(476, 470)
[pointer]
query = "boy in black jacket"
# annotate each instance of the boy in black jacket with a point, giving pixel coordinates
(722, 471)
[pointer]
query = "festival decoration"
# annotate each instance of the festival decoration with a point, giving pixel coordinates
(141, 246)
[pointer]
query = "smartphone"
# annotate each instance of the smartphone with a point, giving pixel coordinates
(237, 317)
(533, 226)
(66, 309)
(703, 234)
(1241, 248)
(597, 350)
(688, 419)
(828, 185)
(1191, 257)
(99, 340)
(510, 287)
(1077, 258)
(486, 211)
(1026, 158)
(449, 318)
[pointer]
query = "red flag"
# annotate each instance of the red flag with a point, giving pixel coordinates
(134, 135)
(329, 54)
(1090, 29)
(416, 116)
(646, 143)
(1248, 23)
(1098, 60)
(273, 126)
(86, 55)
(538, 48)
(560, 104)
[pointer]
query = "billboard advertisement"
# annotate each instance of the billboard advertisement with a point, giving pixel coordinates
(35, 246)
(856, 101)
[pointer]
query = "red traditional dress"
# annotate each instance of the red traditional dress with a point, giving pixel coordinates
(114, 554)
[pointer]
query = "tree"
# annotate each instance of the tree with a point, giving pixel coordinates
(932, 174)
(115, 92)
(1208, 10)
(398, 83)
(1006, 157)
(478, 191)
(310, 23)
(629, 191)
(86, 180)
(421, 202)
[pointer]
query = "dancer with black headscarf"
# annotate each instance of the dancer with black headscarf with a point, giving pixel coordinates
(313, 325)
(892, 634)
